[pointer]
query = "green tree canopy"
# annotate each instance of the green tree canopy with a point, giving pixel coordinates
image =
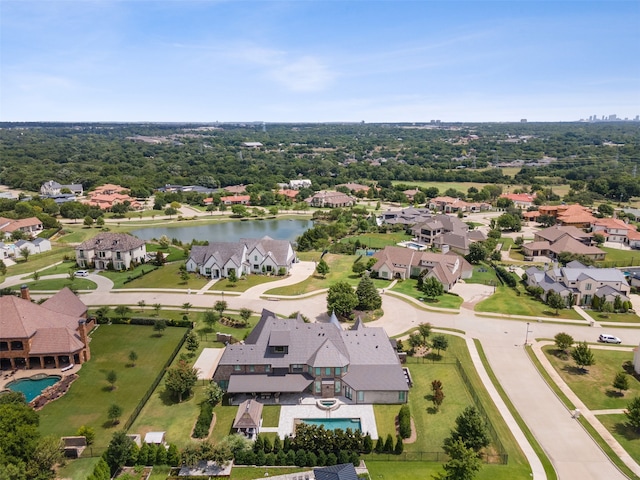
(368, 296)
(583, 356)
(341, 299)
(181, 379)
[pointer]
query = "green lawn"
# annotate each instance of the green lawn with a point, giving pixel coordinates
(425, 470)
(251, 473)
(626, 436)
(340, 271)
(89, 397)
(484, 274)
(506, 301)
(245, 283)
(167, 276)
(410, 287)
(594, 388)
(619, 258)
(64, 267)
(171, 253)
(41, 260)
(378, 240)
(270, 415)
(58, 284)
(78, 469)
(77, 234)
(613, 317)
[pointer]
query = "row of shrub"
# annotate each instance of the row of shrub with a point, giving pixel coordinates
(144, 321)
(233, 322)
(404, 422)
(506, 277)
(300, 458)
(201, 430)
(100, 471)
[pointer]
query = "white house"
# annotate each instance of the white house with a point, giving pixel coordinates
(53, 188)
(117, 250)
(298, 184)
(38, 245)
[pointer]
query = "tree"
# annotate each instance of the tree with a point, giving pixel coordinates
(112, 377)
(556, 301)
(186, 307)
(88, 221)
(24, 253)
(583, 356)
(621, 382)
(122, 311)
(368, 296)
(463, 463)
(119, 451)
(46, 456)
(424, 329)
(100, 221)
(432, 287)
(477, 253)
(220, 306)
(245, 314)
(322, 268)
(181, 379)
(133, 357)
(399, 448)
(440, 342)
(170, 211)
(36, 276)
(437, 398)
(564, 341)
(88, 433)
(159, 326)
(19, 427)
(192, 342)
(184, 276)
(214, 393)
(633, 414)
(157, 307)
(3, 268)
(471, 429)
(142, 304)
(114, 413)
(210, 318)
(359, 268)
(159, 259)
(605, 209)
(341, 299)
(598, 238)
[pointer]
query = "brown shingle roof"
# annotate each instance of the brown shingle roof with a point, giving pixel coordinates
(115, 242)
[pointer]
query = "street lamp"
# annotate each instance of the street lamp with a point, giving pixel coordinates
(526, 338)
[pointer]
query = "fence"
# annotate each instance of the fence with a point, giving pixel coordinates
(156, 381)
(501, 457)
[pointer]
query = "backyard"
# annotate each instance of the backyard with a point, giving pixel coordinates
(88, 399)
(410, 287)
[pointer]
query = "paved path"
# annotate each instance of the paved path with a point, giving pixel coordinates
(572, 451)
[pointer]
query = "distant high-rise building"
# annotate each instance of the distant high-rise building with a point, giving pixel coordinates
(523, 120)
(613, 118)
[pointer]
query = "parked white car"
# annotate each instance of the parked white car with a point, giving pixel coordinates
(604, 338)
(82, 273)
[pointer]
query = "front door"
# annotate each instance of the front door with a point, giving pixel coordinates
(328, 388)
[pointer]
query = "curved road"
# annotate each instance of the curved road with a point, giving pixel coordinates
(573, 453)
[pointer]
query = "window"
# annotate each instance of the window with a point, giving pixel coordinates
(118, 256)
(338, 370)
(237, 368)
(255, 259)
(327, 371)
(256, 266)
(338, 386)
(318, 386)
(280, 349)
(81, 254)
(252, 368)
(348, 392)
(402, 396)
(587, 286)
(267, 368)
(207, 271)
(318, 371)
(360, 396)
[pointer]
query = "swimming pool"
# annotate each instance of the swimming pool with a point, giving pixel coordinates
(33, 386)
(335, 423)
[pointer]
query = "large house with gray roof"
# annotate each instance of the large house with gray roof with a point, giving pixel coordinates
(119, 251)
(288, 356)
(249, 255)
(551, 242)
(580, 283)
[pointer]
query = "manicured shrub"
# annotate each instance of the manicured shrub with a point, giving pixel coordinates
(203, 423)
(404, 422)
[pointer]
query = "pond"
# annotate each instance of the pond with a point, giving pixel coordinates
(230, 231)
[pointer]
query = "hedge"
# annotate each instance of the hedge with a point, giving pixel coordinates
(404, 422)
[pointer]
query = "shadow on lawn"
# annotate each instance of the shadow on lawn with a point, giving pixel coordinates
(626, 431)
(614, 393)
(573, 370)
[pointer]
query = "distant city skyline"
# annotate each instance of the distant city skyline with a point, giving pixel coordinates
(319, 61)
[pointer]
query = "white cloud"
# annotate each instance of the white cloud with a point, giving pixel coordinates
(306, 74)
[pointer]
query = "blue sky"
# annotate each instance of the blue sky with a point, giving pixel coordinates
(318, 61)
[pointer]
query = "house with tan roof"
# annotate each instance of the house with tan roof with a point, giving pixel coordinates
(30, 227)
(287, 192)
(53, 334)
(403, 263)
(119, 251)
(454, 205)
(354, 187)
(569, 215)
(288, 356)
(248, 418)
(329, 199)
(235, 200)
(613, 229)
(235, 189)
(106, 196)
(551, 242)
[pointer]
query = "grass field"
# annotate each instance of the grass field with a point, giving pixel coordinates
(410, 287)
(613, 317)
(340, 271)
(41, 260)
(245, 283)
(626, 436)
(506, 301)
(483, 274)
(378, 240)
(59, 284)
(88, 399)
(167, 276)
(594, 388)
(619, 258)
(171, 253)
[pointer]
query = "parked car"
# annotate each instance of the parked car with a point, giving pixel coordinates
(604, 338)
(82, 273)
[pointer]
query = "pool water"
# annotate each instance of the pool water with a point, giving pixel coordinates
(33, 387)
(335, 423)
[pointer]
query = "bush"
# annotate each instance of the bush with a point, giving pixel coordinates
(203, 423)
(404, 422)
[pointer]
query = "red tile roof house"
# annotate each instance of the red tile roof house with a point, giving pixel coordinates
(31, 226)
(118, 250)
(613, 229)
(50, 335)
(288, 356)
(354, 187)
(521, 200)
(236, 200)
(404, 263)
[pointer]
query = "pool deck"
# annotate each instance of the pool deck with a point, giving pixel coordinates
(6, 376)
(307, 408)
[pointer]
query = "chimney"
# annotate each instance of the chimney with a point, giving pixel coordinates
(24, 293)
(82, 330)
